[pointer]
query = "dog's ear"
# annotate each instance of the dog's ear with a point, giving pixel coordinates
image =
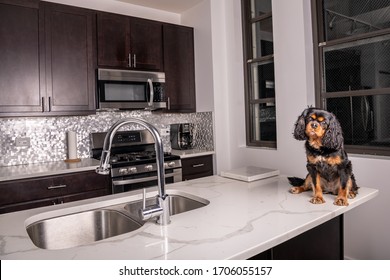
(300, 126)
(333, 138)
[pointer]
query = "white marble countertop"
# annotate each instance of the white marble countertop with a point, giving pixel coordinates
(242, 220)
(16, 172)
(191, 153)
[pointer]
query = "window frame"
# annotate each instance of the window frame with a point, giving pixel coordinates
(320, 94)
(248, 60)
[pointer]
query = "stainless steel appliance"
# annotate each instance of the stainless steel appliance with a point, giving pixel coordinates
(133, 160)
(181, 135)
(129, 89)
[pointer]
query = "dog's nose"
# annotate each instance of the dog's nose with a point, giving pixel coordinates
(314, 125)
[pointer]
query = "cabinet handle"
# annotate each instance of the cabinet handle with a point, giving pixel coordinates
(49, 104)
(43, 104)
(56, 187)
(169, 103)
(198, 165)
(129, 60)
(135, 61)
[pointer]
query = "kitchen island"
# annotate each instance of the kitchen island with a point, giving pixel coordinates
(241, 221)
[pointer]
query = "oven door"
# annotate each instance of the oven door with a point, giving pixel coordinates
(145, 180)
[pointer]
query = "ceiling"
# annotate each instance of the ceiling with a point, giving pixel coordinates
(174, 6)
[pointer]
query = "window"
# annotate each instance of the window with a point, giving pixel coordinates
(353, 70)
(259, 73)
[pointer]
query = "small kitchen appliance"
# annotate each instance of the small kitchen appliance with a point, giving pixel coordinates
(133, 160)
(181, 135)
(130, 89)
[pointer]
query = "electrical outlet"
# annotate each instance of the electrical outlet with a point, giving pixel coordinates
(164, 132)
(22, 142)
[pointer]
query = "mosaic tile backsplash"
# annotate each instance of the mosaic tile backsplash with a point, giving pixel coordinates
(48, 134)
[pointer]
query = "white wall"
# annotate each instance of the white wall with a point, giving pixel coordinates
(367, 228)
(119, 7)
(203, 56)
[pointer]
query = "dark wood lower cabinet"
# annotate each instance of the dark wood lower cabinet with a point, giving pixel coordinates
(197, 167)
(324, 242)
(44, 191)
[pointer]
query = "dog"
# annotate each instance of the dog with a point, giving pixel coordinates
(329, 170)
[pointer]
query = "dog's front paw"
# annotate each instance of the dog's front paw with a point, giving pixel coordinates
(295, 190)
(317, 200)
(351, 194)
(341, 201)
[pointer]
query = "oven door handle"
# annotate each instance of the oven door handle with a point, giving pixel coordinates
(140, 180)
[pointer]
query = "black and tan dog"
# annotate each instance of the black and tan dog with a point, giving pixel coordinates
(329, 170)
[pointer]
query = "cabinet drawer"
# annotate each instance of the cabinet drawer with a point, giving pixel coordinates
(43, 191)
(28, 189)
(82, 182)
(197, 167)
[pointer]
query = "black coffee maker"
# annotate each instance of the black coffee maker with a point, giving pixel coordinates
(181, 136)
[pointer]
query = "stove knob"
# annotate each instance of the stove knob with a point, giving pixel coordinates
(132, 170)
(122, 171)
(171, 164)
(149, 167)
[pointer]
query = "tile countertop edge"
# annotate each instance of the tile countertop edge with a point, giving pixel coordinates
(262, 214)
(17, 172)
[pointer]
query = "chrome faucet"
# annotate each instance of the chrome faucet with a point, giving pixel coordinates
(161, 209)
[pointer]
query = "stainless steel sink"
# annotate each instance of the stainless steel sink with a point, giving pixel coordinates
(177, 204)
(83, 228)
(80, 228)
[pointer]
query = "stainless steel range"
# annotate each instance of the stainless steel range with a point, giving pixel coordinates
(133, 160)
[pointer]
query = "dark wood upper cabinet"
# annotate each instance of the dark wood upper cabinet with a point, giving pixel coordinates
(47, 59)
(179, 68)
(146, 44)
(113, 35)
(70, 58)
(50, 52)
(20, 77)
(127, 42)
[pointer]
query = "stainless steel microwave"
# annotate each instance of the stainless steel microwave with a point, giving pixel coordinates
(129, 89)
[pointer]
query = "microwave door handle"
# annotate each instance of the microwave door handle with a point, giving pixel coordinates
(151, 94)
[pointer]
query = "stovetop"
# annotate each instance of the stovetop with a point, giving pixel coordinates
(132, 159)
(129, 148)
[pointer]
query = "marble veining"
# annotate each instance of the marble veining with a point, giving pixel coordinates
(242, 220)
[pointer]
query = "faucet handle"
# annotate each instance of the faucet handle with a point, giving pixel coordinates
(144, 198)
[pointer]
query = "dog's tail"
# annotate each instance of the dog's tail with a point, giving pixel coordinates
(295, 181)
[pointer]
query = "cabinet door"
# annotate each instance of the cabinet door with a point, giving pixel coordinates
(179, 68)
(70, 63)
(113, 35)
(19, 57)
(146, 44)
(128, 42)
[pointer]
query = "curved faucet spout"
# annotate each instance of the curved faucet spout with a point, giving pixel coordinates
(104, 167)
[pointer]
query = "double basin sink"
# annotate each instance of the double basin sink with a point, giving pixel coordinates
(82, 228)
